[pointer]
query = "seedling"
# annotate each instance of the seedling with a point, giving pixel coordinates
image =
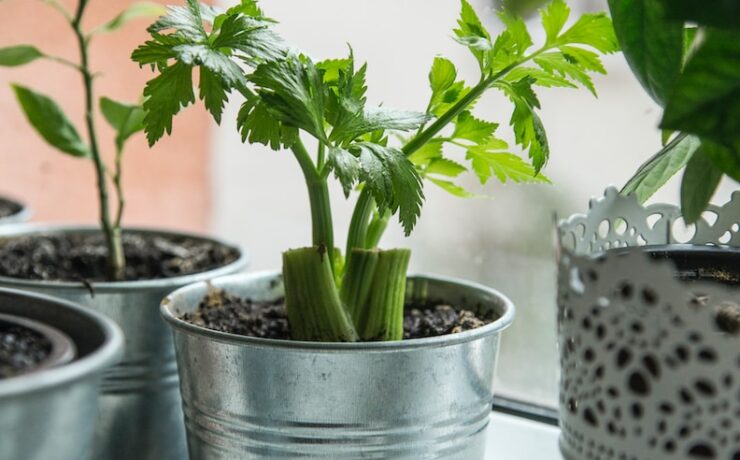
(686, 54)
(289, 97)
(50, 122)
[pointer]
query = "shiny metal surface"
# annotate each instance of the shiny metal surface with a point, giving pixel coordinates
(50, 414)
(248, 398)
(140, 406)
(63, 348)
(23, 215)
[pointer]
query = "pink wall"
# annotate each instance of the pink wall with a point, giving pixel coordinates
(166, 186)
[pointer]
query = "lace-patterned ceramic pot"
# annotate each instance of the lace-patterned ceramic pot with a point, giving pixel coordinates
(649, 332)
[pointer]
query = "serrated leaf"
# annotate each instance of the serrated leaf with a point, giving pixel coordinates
(186, 21)
(470, 128)
(553, 19)
(504, 165)
(371, 119)
(652, 45)
(427, 152)
(212, 93)
(655, 172)
(442, 75)
(451, 188)
(445, 167)
(392, 179)
(529, 131)
(132, 12)
(471, 33)
(583, 58)
(706, 98)
(257, 125)
(346, 167)
(444, 100)
(556, 63)
(219, 64)
(166, 95)
(125, 119)
(700, 180)
(592, 29)
(539, 77)
(13, 56)
(50, 122)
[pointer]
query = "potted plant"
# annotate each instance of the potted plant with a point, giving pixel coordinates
(12, 211)
(122, 273)
(649, 317)
(311, 361)
(52, 356)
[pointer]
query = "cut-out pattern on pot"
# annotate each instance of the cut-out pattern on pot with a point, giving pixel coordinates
(649, 349)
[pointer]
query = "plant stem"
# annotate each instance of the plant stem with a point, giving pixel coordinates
(315, 311)
(358, 280)
(381, 317)
(118, 182)
(318, 194)
(116, 259)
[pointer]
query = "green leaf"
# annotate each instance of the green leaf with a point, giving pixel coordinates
(442, 75)
(427, 152)
(553, 18)
(706, 98)
(443, 101)
(212, 93)
(539, 76)
(717, 13)
(376, 118)
(125, 119)
(727, 159)
(652, 45)
(257, 125)
(185, 21)
(655, 172)
(557, 63)
(165, 96)
(583, 58)
(470, 128)
(392, 179)
(451, 188)
(294, 92)
(489, 159)
(592, 29)
(472, 34)
(224, 69)
(346, 167)
(18, 55)
(700, 180)
(50, 122)
(445, 167)
(134, 11)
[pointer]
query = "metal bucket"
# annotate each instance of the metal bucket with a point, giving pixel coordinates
(140, 407)
(250, 398)
(23, 213)
(50, 414)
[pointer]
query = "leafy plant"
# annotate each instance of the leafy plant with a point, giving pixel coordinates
(686, 54)
(289, 96)
(50, 122)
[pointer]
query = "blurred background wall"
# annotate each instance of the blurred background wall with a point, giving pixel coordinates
(168, 186)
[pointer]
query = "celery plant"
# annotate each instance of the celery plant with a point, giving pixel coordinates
(49, 120)
(289, 96)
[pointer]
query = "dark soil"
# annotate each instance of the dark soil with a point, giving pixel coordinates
(8, 208)
(81, 257)
(21, 349)
(225, 313)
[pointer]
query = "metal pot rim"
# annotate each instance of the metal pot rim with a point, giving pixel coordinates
(119, 286)
(63, 348)
(507, 316)
(106, 354)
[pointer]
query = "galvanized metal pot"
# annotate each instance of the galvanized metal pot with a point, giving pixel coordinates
(649, 333)
(140, 407)
(50, 413)
(250, 398)
(22, 213)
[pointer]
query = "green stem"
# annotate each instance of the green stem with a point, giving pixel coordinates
(318, 194)
(116, 258)
(358, 280)
(376, 228)
(381, 317)
(315, 311)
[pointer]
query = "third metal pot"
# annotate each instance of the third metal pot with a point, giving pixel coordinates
(140, 408)
(249, 398)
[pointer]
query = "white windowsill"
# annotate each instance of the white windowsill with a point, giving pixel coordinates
(515, 438)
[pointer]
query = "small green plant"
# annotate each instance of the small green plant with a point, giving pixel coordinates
(49, 120)
(289, 97)
(686, 54)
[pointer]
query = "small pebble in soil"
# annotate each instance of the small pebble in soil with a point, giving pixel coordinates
(20, 350)
(226, 313)
(728, 318)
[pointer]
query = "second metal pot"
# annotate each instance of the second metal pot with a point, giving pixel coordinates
(249, 398)
(22, 212)
(140, 407)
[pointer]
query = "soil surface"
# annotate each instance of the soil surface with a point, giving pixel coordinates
(81, 257)
(7, 208)
(21, 349)
(225, 313)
